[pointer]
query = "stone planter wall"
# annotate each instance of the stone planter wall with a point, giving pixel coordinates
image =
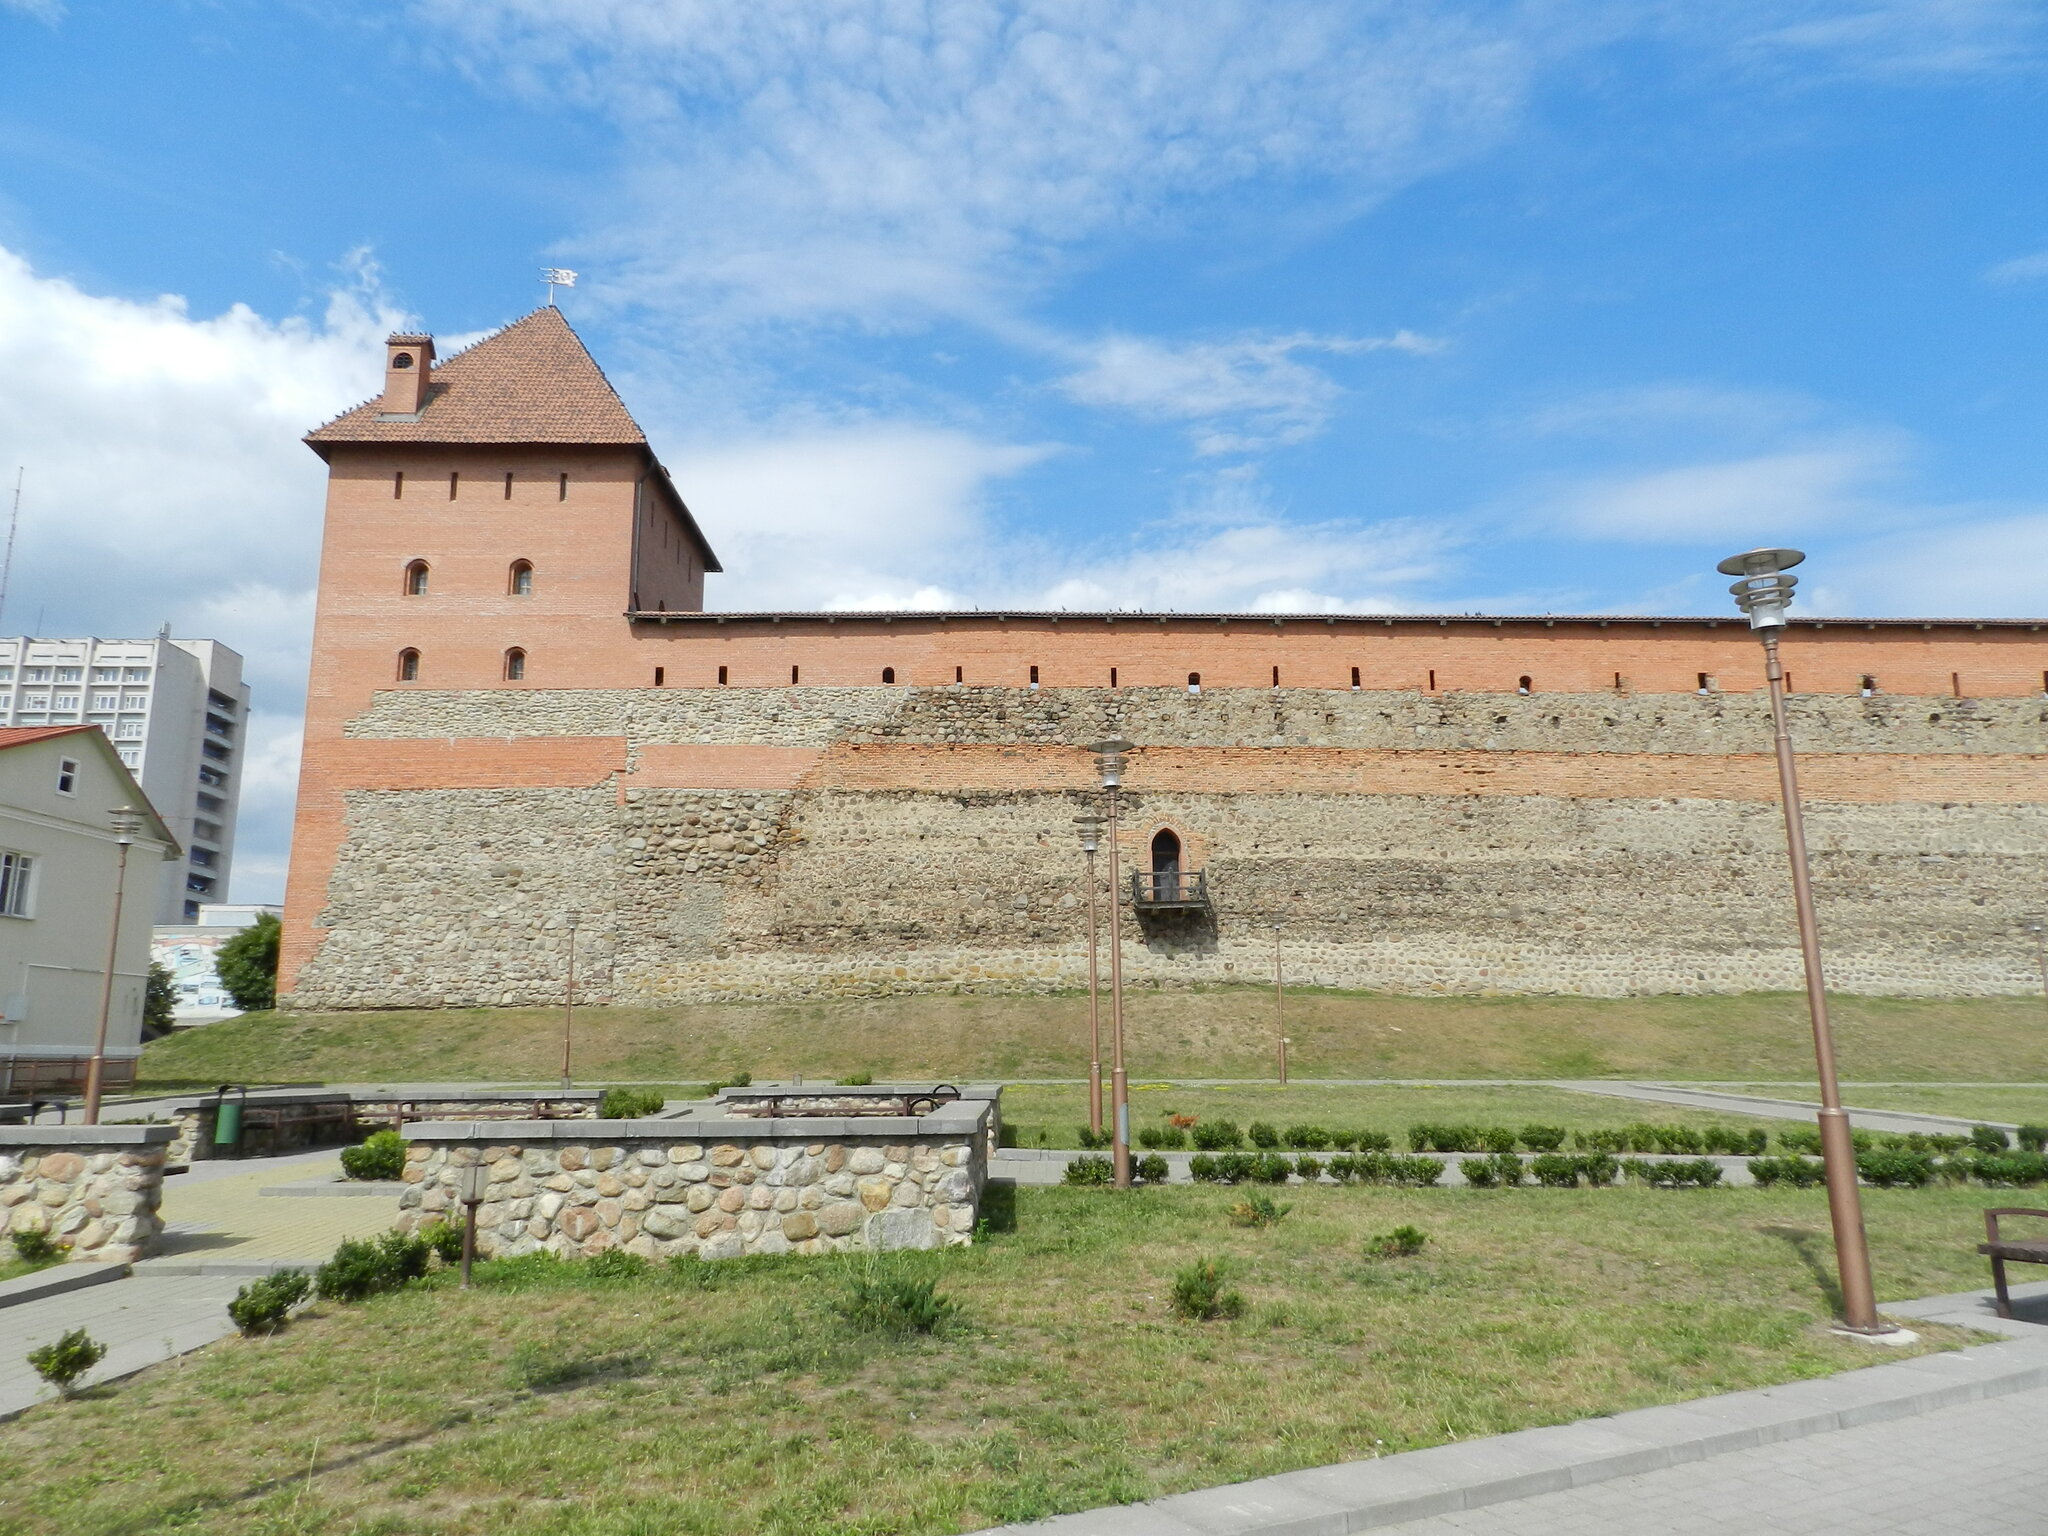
(307, 1118)
(717, 1187)
(94, 1187)
(827, 1098)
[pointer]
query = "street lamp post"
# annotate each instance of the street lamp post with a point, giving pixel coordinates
(1109, 756)
(2040, 932)
(572, 921)
(1763, 592)
(126, 822)
(1279, 1008)
(1090, 827)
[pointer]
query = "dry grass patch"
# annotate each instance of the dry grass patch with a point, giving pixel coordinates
(741, 1398)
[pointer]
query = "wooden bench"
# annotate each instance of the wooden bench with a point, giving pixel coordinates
(2001, 1249)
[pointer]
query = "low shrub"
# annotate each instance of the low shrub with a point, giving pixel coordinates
(35, 1245)
(1460, 1138)
(1202, 1169)
(857, 1080)
(2033, 1138)
(1556, 1170)
(62, 1361)
(1313, 1138)
(1235, 1167)
(364, 1266)
(1093, 1141)
(1542, 1138)
(1201, 1292)
(614, 1264)
(444, 1239)
(1679, 1173)
(1988, 1138)
(1599, 1141)
(883, 1299)
(1922, 1141)
(1309, 1168)
(1257, 1211)
(1404, 1242)
(2013, 1170)
(1217, 1135)
(1373, 1141)
(381, 1156)
(1089, 1170)
(630, 1103)
(1385, 1168)
(1262, 1134)
(1896, 1170)
(1799, 1172)
(1497, 1139)
(1271, 1168)
(1152, 1168)
(1499, 1169)
(1731, 1141)
(1800, 1139)
(264, 1305)
(1169, 1137)
(1417, 1171)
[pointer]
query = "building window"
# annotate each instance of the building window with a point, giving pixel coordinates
(1432, 679)
(416, 579)
(1869, 685)
(135, 701)
(1276, 677)
(129, 730)
(960, 674)
(520, 583)
(35, 701)
(508, 485)
(408, 665)
(1354, 679)
(660, 674)
(106, 674)
(888, 676)
(16, 872)
(792, 676)
(397, 484)
(562, 488)
(35, 674)
(106, 701)
(1706, 683)
(67, 775)
(1194, 682)
(71, 674)
(66, 701)
(7, 674)
(1034, 677)
(1522, 686)
(1112, 677)
(130, 757)
(135, 675)
(454, 479)
(722, 675)
(515, 665)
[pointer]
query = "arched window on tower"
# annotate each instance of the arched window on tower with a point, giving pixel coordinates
(888, 676)
(1524, 687)
(1194, 682)
(515, 665)
(408, 665)
(1166, 865)
(521, 582)
(416, 579)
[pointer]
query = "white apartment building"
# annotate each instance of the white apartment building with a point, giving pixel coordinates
(177, 712)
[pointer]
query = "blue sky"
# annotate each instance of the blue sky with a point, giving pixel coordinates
(1498, 307)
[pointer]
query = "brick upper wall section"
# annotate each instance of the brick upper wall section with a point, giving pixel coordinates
(720, 767)
(566, 762)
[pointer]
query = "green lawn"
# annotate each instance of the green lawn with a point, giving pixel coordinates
(12, 1268)
(735, 1399)
(1210, 1032)
(2013, 1106)
(1058, 1109)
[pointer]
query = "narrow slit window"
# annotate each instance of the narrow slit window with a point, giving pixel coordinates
(1955, 684)
(1788, 682)
(508, 485)
(660, 675)
(1194, 682)
(1112, 677)
(520, 582)
(1034, 677)
(959, 674)
(515, 665)
(1869, 685)
(397, 484)
(562, 487)
(1706, 683)
(888, 676)
(1354, 679)
(1276, 677)
(722, 677)
(454, 479)
(1617, 682)
(1522, 686)
(2044, 682)
(792, 676)
(408, 665)
(1432, 679)
(416, 579)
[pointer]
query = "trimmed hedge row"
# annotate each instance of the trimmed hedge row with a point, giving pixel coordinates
(1900, 1168)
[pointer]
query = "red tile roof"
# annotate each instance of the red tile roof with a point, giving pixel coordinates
(532, 382)
(22, 735)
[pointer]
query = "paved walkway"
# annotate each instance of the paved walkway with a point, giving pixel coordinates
(1723, 1102)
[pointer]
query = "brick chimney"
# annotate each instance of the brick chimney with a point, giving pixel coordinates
(407, 359)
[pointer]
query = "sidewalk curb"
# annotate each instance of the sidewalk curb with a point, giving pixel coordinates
(1417, 1485)
(58, 1279)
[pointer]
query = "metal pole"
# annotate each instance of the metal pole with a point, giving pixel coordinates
(2041, 953)
(1094, 1010)
(1279, 1008)
(569, 1000)
(1838, 1151)
(468, 1239)
(1120, 1101)
(95, 1074)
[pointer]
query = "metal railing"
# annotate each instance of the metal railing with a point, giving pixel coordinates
(1169, 888)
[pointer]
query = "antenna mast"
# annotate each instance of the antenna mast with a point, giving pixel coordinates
(13, 523)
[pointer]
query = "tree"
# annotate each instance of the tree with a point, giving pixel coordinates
(159, 1002)
(247, 964)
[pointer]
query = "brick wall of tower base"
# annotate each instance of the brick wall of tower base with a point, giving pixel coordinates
(809, 843)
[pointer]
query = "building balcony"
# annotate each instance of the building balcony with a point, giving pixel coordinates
(1170, 890)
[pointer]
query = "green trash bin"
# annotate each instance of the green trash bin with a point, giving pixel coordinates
(227, 1123)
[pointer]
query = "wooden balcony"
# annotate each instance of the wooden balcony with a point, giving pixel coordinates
(1170, 891)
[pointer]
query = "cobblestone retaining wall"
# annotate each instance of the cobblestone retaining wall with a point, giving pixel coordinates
(714, 1187)
(96, 1188)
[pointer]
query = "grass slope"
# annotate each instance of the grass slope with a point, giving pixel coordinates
(734, 1398)
(1217, 1032)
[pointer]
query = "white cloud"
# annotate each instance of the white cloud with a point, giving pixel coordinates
(48, 11)
(2021, 269)
(1960, 562)
(1246, 393)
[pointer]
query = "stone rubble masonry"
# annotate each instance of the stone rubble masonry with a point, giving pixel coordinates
(713, 1186)
(304, 1119)
(818, 842)
(96, 1188)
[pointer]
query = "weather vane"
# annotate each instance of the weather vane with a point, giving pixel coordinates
(557, 277)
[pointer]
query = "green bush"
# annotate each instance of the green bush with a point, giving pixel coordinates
(1799, 1172)
(1309, 1168)
(1373, 1141)
(1556, 1170)
(1235, 1167)
(1202, 1169)
(857, 1080)
(64, 1360)
(1313, 1138)
(35, 1245)
(1679, 1173)
(1497, 1139)
(883, 1299)
(2034, 1138)
(1201, 1292)
(381, 1156)
(1896, 1170)
(1271, 1168)
(1167, 1137)
(1093, 1141)
(615, 1264)
(1542, 1138)
(1499, 1169)
(1262, 1134)
(1417, 1171)
(1597, 1168)
(363, 1267)
(737, 1080)
(1257, 1211)
(247, 964)
(1404, 1242)
(1988, 1138)
(1730, 1141)
(2015, 1170)
(1800, 1139)
(1217, 1135)
(1090, 1170)
(1152, 1168)
(264, 1305)
(444, 1239)
(1922, 1141)
(630, 1103)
